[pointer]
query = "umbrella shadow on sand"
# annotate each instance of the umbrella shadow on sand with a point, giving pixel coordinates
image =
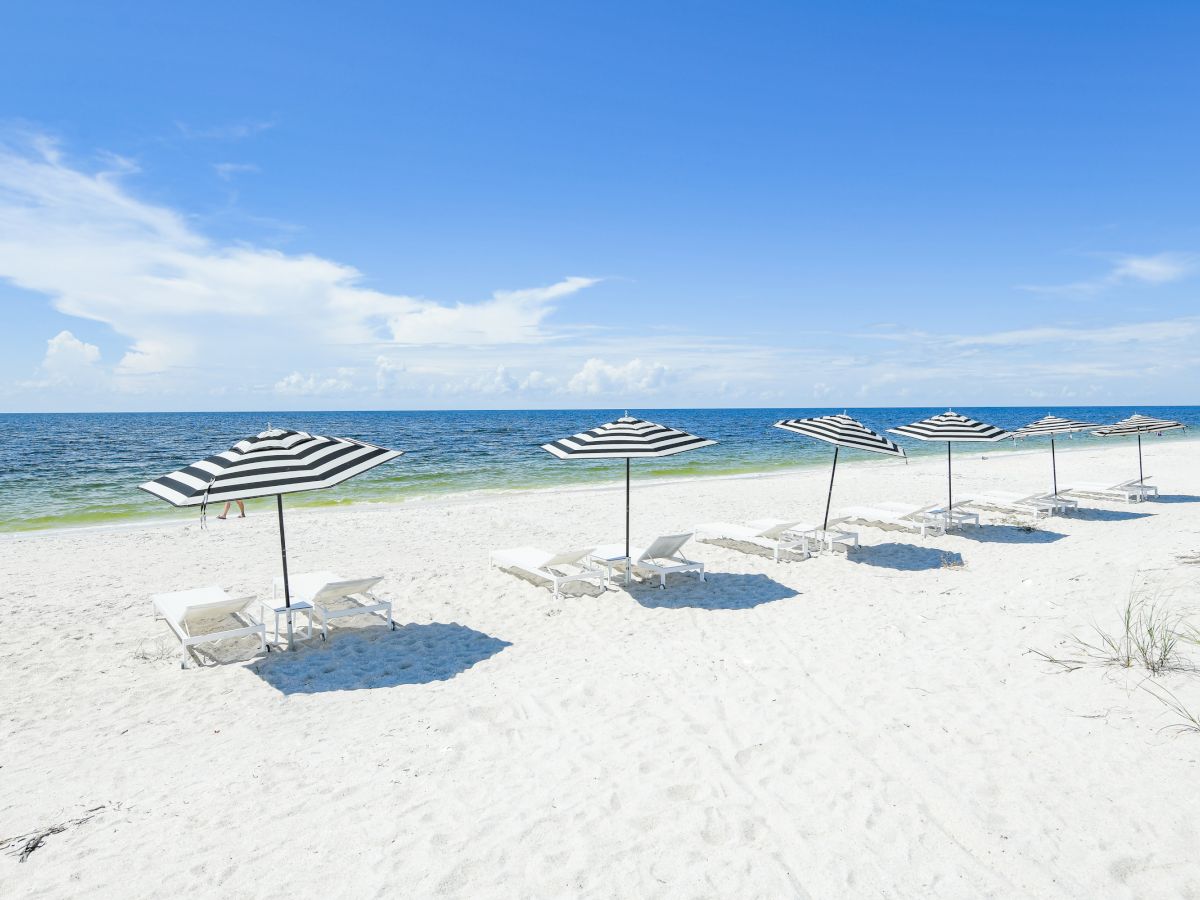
(366, 658)
(719, 590)
(904, 557)
(1176, 498)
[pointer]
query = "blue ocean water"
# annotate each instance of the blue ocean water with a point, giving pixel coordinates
(59, 469)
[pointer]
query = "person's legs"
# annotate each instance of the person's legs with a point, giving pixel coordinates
(241, 509)
(225, 511)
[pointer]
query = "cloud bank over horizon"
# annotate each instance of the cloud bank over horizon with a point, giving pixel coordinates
(201, 322)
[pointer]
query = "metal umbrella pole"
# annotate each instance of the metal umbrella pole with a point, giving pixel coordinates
(1053, 467)
(1141, 475)
(829, 496)
(627, 508)
(949, 486)
(287, 593)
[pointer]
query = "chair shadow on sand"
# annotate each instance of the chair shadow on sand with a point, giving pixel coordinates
(755, 549)
(719, 590)
(1096, 514)
(366, 658)
(904, 557)
(571, 589)
(999, 533)
(1176, 498)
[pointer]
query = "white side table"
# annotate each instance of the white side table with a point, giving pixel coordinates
(611, 557)
(825, 538)
(276, 606)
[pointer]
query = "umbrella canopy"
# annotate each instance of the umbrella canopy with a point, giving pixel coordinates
(1139, 425)
(841, 431)
(274, 462)
(278, 462)
(1052, 426)
(951, 427)
(627, 438)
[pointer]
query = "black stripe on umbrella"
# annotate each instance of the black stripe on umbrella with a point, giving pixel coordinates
(841, 431)
(1051, 427)
(1139, 425)
(951, 427)
(277, 461)
(627, 438)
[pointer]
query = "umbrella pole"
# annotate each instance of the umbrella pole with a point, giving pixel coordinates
(287, 593)
(949, 488)
(627, 508)
(829, 496)
(1141, 476)
(1053, 467)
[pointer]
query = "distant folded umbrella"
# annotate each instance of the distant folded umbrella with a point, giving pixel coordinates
(627, 438)
(278, 462)
(951, 427)
(841, 431)
(1051, 427)
(1139, 425)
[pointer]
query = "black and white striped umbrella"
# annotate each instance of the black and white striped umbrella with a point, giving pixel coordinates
(277, 461)
(1139, 425)
(841, 431)
(1052, 426)
(951, 427)
(627, 438)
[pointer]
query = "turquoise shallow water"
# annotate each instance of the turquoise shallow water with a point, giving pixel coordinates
(66, 469)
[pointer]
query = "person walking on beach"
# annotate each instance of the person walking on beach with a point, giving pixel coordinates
(241, 509)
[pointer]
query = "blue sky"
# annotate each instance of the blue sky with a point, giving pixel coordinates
(303, 206)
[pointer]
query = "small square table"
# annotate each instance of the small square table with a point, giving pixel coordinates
(276, 606)
(612, 556)
(825, 538)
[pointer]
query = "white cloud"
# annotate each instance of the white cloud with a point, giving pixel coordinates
(1160, 268)
(509, 317)
(1169, 330)
(184, 301)
(227, 170)
(634, 377)
(230, 131)
(296, 384)
(66, 355)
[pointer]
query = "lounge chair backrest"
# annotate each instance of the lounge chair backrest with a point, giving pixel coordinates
(334, 590)
(176, 608)
(779, 529)
(568, 557)
(666, 546)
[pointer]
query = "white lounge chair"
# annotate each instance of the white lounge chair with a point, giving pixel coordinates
(1130, 491)
(906, 518)
(179, 608)
(951, 518)
(775, 534)
(322, 589)
(1040, 504)
(556, 568)
(662, 558)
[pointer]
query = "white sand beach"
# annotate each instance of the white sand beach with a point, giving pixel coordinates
(863, 726)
